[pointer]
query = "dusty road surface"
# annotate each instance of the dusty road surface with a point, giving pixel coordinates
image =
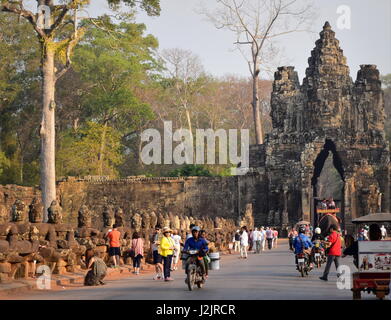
(269, 275)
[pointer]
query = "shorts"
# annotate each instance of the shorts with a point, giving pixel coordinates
(114, 251)
(157, 258)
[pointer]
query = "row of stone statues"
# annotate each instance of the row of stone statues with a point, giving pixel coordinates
(24, 244)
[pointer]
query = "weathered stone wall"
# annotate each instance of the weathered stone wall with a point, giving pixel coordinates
(193, 196)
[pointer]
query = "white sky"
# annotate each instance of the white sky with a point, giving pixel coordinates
(179, 26)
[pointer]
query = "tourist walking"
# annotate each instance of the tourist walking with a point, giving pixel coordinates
(269, 237)
(243, 243)
(97, 269)
(275, 237)
(334, 252)
(114, 245)
(263, 238)
(137, 250)
(250, 240)
(167, 251)
(237, 241)
(291, 237)
(257, 240)
(177, 249)
(157, 258)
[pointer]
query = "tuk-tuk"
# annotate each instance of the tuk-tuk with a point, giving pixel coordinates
(374, 262)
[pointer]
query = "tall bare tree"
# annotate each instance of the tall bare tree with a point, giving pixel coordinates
(187, 73)
(51, 23)
(256, 24)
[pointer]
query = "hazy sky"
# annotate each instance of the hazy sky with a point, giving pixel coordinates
(367, 42)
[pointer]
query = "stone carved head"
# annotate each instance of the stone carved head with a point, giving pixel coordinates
(136, 222)
(36, 211)
(119, 217)
(153, 221)
(55, 213)
(84, 217)
(18, 211)
(108, 216)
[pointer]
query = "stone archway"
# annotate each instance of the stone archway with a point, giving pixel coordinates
(328, 112)
(329, 149)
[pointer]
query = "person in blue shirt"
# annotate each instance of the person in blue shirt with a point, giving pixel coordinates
(302, 242)
(197, 243)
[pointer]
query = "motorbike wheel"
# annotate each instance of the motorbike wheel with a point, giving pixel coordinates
(190, 278)
(302, 271)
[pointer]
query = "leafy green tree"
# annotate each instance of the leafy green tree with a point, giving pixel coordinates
(4, 162)
(57, 36)
(116, 67)
(79, 152)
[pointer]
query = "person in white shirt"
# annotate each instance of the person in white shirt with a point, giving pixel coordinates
(177, 249)
(383, 232)
(257, 240)
(243, 243)
(263, 238)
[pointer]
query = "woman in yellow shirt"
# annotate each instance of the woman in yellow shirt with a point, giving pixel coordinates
(167, 246)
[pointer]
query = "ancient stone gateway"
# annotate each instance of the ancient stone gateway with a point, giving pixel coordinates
(327, 113)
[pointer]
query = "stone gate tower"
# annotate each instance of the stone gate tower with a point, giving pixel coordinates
(327, 113)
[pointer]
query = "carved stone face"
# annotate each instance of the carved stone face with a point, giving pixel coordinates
(119, 217)
(153, 221)
(136, 222)
(84, 218)
(55, 213)
(108, 217)
(35, 211)
(146, 220)
(18, 211)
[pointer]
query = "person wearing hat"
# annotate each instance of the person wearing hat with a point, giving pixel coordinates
(197, 243)
(167, 247)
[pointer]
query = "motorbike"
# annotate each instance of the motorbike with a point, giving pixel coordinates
(303, 264)
(319, 254)
(194, 275)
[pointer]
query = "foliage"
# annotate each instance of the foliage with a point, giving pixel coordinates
(191, 170)
(78, 155)
(4, 162)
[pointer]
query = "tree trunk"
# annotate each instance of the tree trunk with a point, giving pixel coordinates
(47, 132)
(102, 149)
(256, 111)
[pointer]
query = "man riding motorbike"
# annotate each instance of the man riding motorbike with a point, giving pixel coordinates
(317, 241)
(197, 243)
(303, 244)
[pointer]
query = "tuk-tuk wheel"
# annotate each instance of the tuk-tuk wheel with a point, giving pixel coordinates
(356, 294)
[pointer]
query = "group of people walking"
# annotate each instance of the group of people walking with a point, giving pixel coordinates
(166, 249)
(255, 240)
(335, 244)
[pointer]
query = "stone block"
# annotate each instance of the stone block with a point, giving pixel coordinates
(62, 244)
(5, 267)
(4, 278)
(22, 246)
(4, 246)
(46, 252)
(14, 258)
(61, 263)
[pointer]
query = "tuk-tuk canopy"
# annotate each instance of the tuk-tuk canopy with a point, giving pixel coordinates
(374, 217)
